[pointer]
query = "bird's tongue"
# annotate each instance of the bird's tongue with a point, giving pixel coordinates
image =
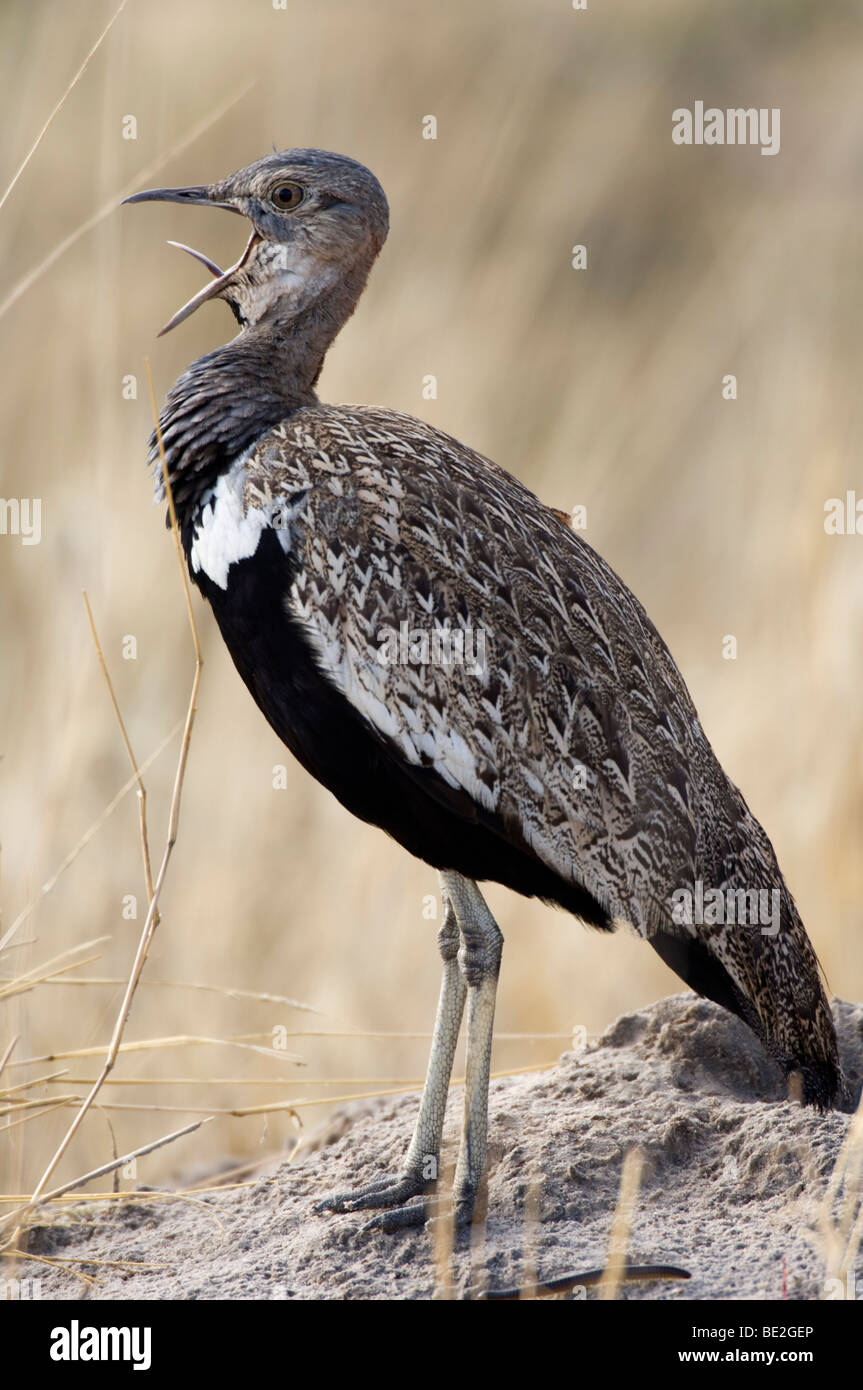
(199, 256)
(223, 280)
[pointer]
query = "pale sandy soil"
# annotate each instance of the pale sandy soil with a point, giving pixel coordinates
(732, 1181)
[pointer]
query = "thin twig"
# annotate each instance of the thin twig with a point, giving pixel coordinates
(131, 1195)
(9, 1050)
(20, 984)
(227, 991)
(107, 208)
(63, 955)
(142, 791)
(75, 80)
(152, 1044)
(842, 1233)
(8, 1091)
(443, 1231)
(149, 927)
(118, 1162)
(621, 1226)
(530, 1241)
(25, 983)
(51, 1263)
(19, 1107)
(86, 838)
(37, 1115)
(226, 1081)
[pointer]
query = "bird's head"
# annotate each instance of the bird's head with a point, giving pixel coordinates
(317, 219)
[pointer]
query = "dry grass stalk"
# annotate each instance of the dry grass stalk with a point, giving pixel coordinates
(443, 1230)
(621, 1226)
(57, 108)
(842, 1231)
(151, 921)
(10, 1048)
(530, 1239)
(40, 974)
(227, 992)
(145, 176)
(142, 792)
(119, 1162)
(85, 839)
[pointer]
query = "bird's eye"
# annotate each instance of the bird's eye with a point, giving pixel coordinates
(286, 196)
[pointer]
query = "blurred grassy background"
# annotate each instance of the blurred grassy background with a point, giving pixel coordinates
(600, 387)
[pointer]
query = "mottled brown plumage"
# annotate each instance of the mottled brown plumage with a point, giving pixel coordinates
(393, 522)
(564, 757)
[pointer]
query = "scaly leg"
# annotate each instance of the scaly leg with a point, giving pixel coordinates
(479, 961)
(471, 969)
(420, 1170)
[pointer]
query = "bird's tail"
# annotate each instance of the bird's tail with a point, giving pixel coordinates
(791, 1010)
(747, 949)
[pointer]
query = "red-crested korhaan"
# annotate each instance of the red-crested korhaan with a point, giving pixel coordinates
(456, 664)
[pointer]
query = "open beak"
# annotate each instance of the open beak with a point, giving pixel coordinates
(223, 279)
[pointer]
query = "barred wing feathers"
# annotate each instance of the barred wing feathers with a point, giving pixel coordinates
(573, 726)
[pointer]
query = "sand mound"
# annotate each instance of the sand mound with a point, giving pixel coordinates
(733, 1177)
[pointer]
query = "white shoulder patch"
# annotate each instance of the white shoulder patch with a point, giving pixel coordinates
(226, 531)
(420, 731)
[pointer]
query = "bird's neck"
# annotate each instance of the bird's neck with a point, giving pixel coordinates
(228, 399)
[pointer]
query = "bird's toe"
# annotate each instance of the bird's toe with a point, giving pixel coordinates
(385, 1192)
(401, 1218)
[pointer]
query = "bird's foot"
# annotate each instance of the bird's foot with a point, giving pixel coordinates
(385, 1192)
(406, 1201)
(436, 1213)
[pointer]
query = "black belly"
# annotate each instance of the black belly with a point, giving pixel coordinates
(433, 821)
